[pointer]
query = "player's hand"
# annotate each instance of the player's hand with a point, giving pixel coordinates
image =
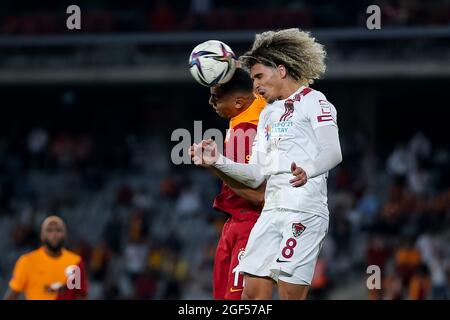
(195, 152)
(300, 177)
(191, 151)
(210, 152)
(204, 153)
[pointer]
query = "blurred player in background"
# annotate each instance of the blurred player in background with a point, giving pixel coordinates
(236, 101)
(50, 272)
(296, 145)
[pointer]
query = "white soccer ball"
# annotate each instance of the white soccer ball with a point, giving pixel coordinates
(212, 62)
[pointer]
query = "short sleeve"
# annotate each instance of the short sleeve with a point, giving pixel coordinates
(19, 277)
(320, 111)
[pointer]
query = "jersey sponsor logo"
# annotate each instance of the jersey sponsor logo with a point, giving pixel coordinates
(297, 229)
(277, 131)
(280, 129)
(281, 261)
(236, 289)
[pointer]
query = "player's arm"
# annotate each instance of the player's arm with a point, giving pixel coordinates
(11, 295)
(18, 281)
(322, 117)
(329, 156)
(250, 174)
(254, 196)
(206, 154)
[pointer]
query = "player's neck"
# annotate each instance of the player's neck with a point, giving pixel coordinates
(249, 101)
(289, 88)
(52, 253)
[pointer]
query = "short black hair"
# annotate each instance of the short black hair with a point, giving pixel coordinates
(240, 82)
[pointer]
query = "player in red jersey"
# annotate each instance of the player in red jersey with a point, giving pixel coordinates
(236, 101)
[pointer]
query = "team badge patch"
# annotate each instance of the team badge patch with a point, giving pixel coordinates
(297, 229)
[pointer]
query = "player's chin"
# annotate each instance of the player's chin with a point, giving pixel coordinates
(220, 113)
(268, 98)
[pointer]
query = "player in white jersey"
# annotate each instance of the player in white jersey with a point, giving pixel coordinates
(297, 143)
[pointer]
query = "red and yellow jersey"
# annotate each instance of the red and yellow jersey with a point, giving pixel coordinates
(42, 277)
(238, 147)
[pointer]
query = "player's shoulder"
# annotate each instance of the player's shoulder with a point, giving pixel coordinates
(265, 111)
(244, 126)
(250, 116)
(270, 107)
(72, 256)
(29, 256)
(312, 95)
(316, 99)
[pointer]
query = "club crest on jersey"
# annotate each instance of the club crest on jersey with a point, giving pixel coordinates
(289, 104)
(297, 229)
(288, 110)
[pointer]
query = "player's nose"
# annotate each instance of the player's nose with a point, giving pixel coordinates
(255, 85)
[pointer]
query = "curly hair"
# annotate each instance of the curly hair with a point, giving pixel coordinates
(296, 50)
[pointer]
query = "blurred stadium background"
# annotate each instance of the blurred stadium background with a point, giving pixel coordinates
(86, 124)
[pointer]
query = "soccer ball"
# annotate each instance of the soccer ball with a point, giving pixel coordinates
(212, 62)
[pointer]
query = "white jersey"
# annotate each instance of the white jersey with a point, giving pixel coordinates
(285, 135)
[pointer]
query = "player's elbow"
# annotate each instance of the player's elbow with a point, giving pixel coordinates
(251, 182)
(258, 195)
(257, 200)
(337, 156)
(11, 295)
(255, 184)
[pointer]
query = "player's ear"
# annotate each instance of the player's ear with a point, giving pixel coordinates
(282, 71)
(239, 102)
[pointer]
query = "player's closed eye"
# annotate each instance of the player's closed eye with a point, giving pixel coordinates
(214, 99)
